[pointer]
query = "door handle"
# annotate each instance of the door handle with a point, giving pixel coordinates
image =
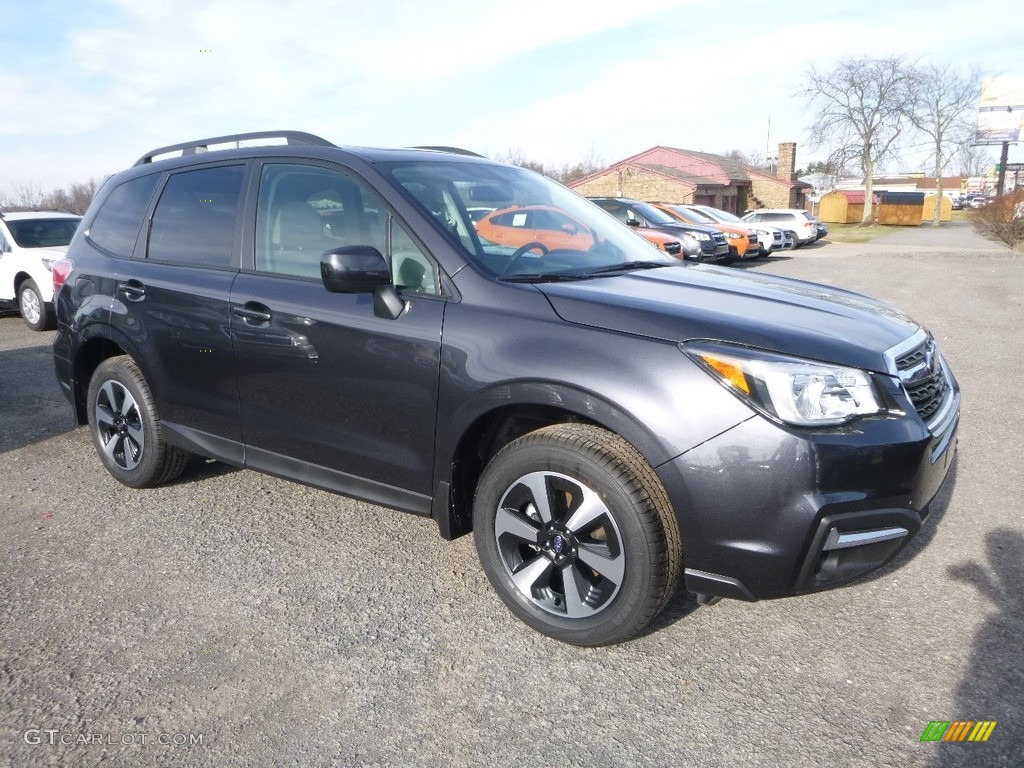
(133, 290)
(253, 313)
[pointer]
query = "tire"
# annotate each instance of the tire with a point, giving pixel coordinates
(34, 311)
(796, 241)
(573, 501)
(125, 427)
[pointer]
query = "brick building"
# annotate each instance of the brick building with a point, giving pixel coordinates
(667, 174)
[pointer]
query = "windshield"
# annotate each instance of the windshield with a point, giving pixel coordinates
(691, 215)
(42, 233)
(516, 224)
(721, 215)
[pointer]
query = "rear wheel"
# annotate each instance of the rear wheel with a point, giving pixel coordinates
(34, 311)
(126, 428)
(576, 534)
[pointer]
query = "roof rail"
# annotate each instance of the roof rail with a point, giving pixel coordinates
(452, 150)
(203, 145)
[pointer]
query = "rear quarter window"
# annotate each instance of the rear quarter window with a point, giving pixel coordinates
(116, 225)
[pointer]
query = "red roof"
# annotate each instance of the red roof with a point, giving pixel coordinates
(853, 196)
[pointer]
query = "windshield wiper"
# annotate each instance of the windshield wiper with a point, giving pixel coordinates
(544, 277)
(628, 266)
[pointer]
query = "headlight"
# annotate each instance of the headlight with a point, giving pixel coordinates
(800, 392)
(701, 235)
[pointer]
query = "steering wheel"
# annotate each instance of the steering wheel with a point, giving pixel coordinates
(521, 252)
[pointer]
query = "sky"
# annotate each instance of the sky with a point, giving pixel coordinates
(88, 86)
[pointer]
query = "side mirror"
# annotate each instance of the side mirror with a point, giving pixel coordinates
(354, 269)
(633, 223)
(362, 269)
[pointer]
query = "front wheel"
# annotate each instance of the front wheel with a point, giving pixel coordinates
(576, 534)
(34, 311)
(126, 428)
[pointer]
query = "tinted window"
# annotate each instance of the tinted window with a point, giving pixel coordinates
(42, 233)
(194, 222)
(118, 221)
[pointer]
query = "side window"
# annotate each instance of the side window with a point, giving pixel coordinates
(411, 269)
(304, 211)
(509, 219)
(116, 226)
(194, 221)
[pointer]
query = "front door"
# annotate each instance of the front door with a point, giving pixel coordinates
(330, 393)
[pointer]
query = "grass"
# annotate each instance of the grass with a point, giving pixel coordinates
(865, 233)
(858, 233)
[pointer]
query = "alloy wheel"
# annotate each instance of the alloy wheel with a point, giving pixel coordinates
(119, 425)
(31, 308)
(560, 544)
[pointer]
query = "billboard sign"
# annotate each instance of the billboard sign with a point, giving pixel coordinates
(1001, 110)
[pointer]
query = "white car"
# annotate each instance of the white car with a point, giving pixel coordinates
(769, 239)
(796, 220)
(30, 243)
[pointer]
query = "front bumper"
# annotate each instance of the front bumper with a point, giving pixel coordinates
(767, 511)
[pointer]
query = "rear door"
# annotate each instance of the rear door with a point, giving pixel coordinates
(172, 304)
(330, 393)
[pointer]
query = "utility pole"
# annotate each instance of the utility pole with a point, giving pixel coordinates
(1002, 168)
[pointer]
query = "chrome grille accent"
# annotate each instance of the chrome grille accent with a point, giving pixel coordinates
(921, 370)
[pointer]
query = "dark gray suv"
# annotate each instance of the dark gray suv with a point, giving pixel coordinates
(606, 420)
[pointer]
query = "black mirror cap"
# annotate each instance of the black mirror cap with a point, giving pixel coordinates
(354, 269)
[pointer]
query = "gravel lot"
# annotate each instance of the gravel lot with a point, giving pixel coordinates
(279, 625)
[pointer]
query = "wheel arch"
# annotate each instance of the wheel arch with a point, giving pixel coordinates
(489, 429)
(88, 358)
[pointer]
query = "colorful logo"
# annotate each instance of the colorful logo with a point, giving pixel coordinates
(958, 730)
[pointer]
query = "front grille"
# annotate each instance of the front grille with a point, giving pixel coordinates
(924, 378)
(719, 238)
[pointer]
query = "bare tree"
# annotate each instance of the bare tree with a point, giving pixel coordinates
(516, 156)
(564, 173)
(29, 197)
(26, 197)
(859, 112)
(972, 159)
(941, 98)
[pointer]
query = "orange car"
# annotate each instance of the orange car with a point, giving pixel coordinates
(551, 228)
(742, 240)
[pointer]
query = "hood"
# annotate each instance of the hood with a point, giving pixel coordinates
(686, 226)
(684, 302)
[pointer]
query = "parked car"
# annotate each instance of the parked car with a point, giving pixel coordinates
(30, 242)
(742, 240)
(795, 220)
(552, 228)
(822, 229)
(644, 216)
(770, 239)
(607, 422)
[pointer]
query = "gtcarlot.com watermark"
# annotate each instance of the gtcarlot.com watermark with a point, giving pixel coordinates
(57, 738)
